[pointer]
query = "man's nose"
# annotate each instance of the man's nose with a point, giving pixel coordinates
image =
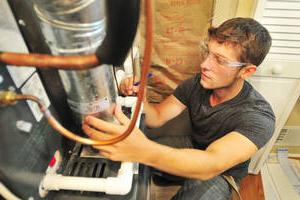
(206, 64)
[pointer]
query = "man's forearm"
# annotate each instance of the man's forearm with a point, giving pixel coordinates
(189, 163)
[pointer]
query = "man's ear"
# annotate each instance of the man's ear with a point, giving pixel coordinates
(247, 71)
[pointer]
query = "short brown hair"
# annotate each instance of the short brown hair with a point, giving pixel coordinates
(253, 39)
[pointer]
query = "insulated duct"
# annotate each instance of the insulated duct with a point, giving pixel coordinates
(77, 27)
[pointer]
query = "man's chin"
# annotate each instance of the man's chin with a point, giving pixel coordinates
(205, 85)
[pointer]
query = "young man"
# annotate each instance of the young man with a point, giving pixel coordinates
(230, 119)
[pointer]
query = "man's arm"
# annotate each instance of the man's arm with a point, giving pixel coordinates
(221, 155)
(158, 114)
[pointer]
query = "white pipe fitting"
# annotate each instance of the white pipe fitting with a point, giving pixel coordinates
(126, 101)
(119, 185)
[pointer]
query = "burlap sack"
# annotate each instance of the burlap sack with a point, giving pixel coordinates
(179, 26)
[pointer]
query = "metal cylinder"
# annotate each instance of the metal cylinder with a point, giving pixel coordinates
(77, 27)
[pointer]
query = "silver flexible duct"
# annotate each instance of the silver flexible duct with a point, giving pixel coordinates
(77, 27)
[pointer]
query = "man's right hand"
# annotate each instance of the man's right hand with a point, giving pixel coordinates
(129, 86)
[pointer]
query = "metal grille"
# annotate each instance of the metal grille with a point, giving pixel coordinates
(89, 166)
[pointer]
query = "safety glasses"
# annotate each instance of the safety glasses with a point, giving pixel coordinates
(207, 54)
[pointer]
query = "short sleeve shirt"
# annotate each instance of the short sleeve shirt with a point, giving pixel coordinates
(248, 113)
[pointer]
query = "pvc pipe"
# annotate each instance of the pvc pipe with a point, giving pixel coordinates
(119, 185)
(6, 193)
(128, 101)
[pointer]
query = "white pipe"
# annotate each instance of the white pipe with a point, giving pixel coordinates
(6, 193)
(128, 101)
(119, 185)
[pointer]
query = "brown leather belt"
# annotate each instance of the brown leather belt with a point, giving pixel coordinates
(235, 190)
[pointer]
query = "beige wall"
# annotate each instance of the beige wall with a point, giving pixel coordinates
(245, 8)
(227, 9)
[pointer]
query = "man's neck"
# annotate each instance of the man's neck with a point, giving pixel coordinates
(221, 95)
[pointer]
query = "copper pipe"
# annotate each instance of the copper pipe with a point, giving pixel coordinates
(49, 61)
(11, 98)
(54, 123)
(145, 68)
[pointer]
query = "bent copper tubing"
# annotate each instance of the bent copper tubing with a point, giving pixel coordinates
(54, 123)
(145, 68)
(10, 98)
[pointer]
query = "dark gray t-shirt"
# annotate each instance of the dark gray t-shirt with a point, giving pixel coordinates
(248, 113)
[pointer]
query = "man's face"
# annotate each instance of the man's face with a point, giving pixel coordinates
(218, 70)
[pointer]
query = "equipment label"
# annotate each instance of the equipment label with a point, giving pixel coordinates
(90, 107)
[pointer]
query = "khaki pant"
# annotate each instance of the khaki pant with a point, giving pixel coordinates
(235, 191)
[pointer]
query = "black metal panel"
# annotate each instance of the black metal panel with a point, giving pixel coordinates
(122, 21)
(24, 156)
